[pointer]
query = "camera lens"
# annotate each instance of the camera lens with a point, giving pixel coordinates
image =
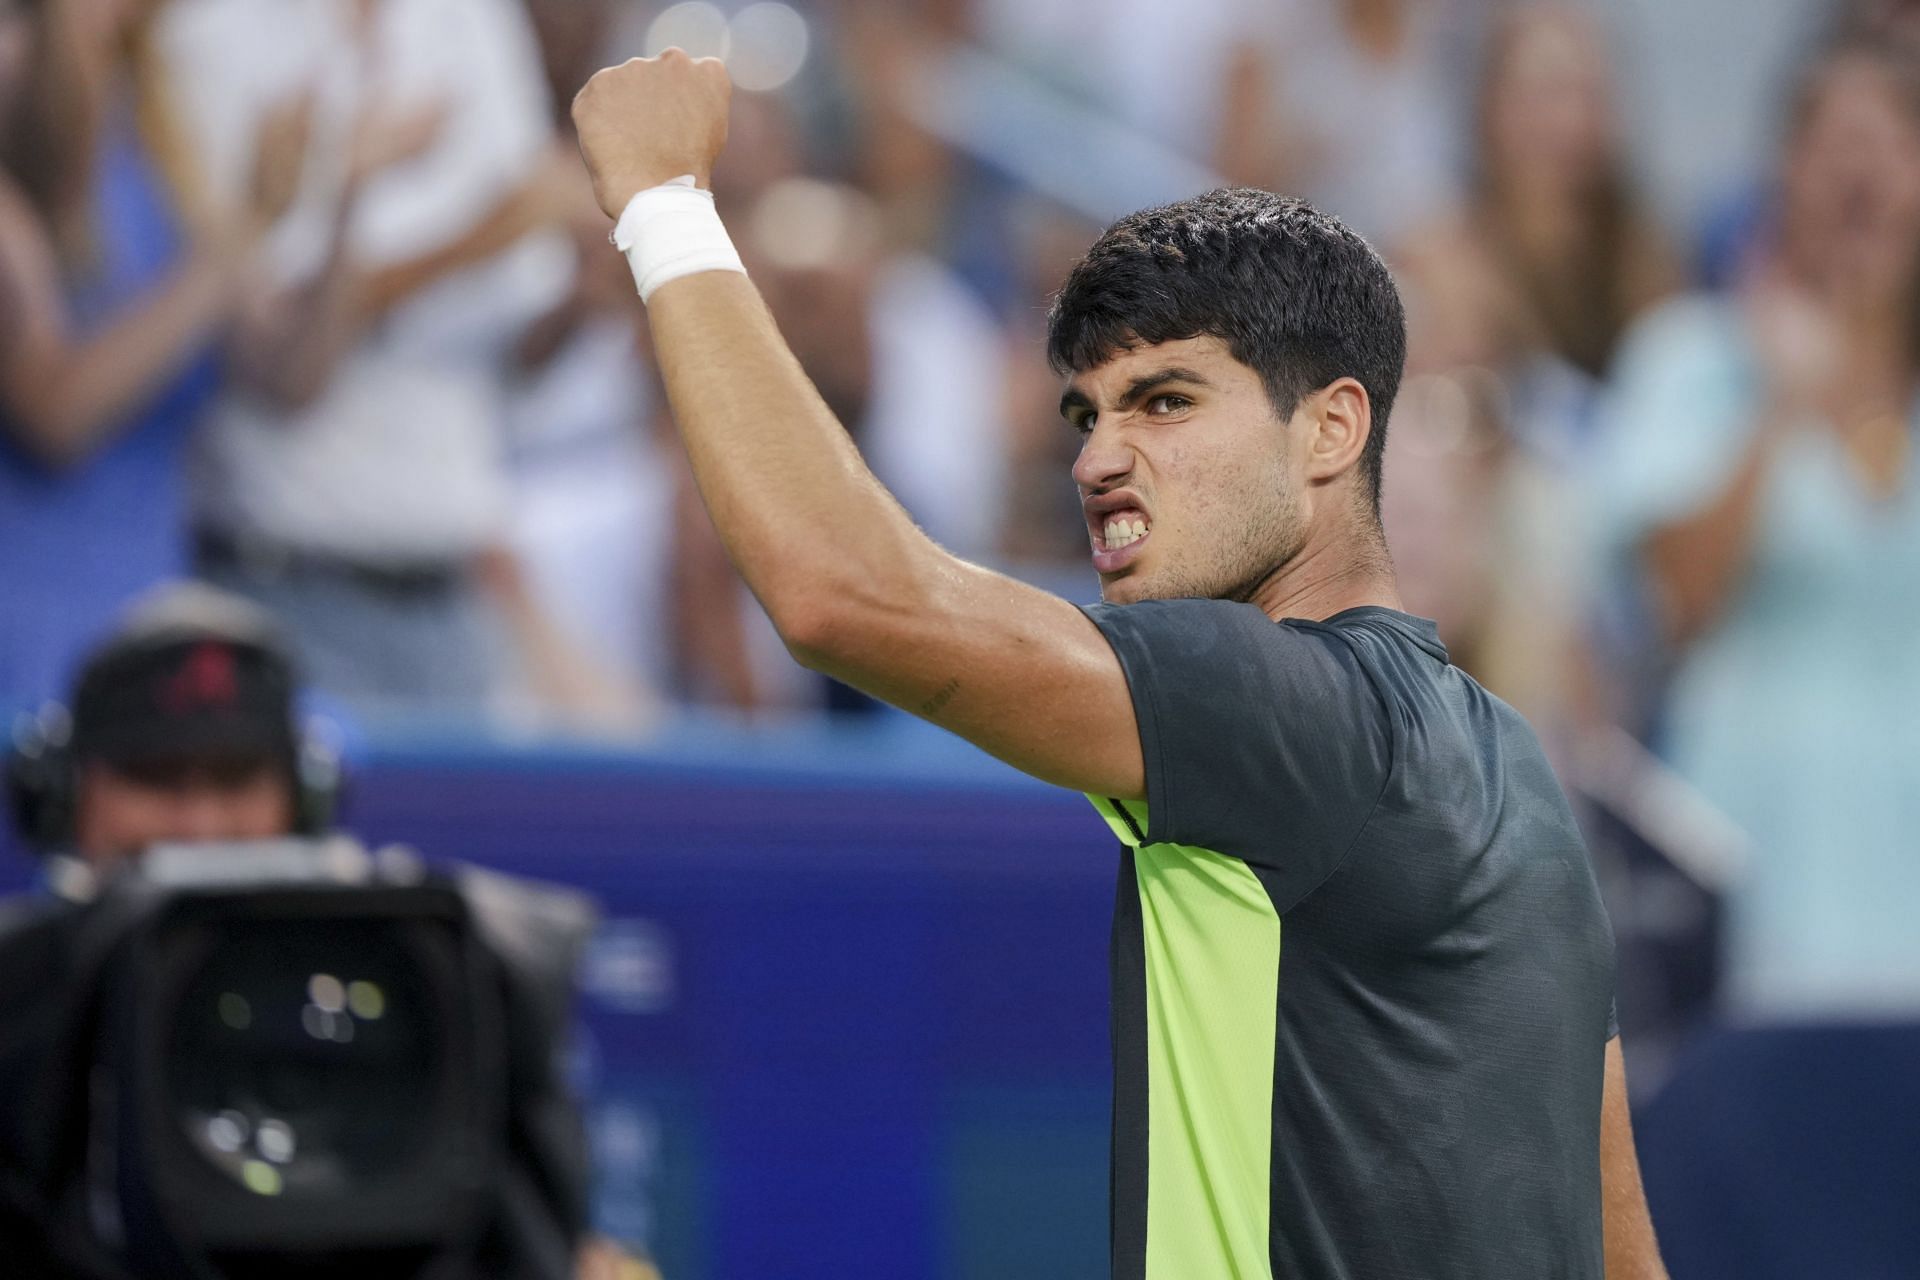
(303, 1056)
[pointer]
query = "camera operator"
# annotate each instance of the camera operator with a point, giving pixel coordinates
(183, 729)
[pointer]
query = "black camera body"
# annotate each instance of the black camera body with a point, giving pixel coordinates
(291, 1059)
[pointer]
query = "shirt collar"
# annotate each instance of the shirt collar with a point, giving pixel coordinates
(1422, 631)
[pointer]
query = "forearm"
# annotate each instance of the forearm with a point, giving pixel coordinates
(511, 217)
(288, 347)
(709, 629)
(68, 397)
(827, 551)
(1632, 1252)
(855, 589)
(803, 519)
(1697, 562)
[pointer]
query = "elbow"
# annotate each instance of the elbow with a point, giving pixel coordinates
(852, 621)
(842, 627)
(814, 626)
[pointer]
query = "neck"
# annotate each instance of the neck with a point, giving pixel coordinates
(1335, 571)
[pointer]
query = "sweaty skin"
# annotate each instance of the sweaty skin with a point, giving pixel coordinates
(1273, 516)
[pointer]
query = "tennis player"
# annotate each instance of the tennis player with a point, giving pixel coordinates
(1362, 979)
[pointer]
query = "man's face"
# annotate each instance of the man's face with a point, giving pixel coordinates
(1187, 476)
(120, 811)
(1851, 188)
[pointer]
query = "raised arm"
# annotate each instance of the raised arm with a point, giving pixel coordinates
(541, 200)
(1699, 561)
(65, 394)
(854, 588)
(290, 340)
(1816, 364)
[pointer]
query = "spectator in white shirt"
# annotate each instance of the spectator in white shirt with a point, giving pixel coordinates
(363, 516)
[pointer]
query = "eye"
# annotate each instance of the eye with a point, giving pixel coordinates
(1081, 422)
(1164, 405)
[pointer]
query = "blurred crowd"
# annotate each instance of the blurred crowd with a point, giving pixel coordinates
(309, 298)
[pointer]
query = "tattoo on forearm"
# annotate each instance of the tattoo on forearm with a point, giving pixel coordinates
(932, 705)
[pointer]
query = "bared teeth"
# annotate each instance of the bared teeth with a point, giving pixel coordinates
(1124, 531)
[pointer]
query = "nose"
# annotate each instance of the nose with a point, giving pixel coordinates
(1104, 460)
(201, 811)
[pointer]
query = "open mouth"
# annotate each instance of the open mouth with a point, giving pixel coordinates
(1119, 539)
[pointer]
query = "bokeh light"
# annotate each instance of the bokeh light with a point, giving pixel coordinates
(235, 1011)
(227, 1131)
(769, 46)
(261, 1178)
(275, 1140)
(697, 27)
(366, 1000)
(327, 991)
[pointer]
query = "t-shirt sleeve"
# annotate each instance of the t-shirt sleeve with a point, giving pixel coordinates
(1264, 741)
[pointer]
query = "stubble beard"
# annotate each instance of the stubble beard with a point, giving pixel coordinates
(1251, 550)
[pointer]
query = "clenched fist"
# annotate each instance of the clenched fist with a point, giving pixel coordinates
(650, 120)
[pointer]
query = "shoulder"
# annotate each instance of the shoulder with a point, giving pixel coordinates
(1233, 662)
(1202, 628)
(1250, 727)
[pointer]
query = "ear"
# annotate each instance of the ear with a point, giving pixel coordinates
(1342, 419)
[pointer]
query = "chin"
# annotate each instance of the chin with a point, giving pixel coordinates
(1127, 589)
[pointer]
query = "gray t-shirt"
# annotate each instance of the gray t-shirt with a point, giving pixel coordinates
(1362, 977)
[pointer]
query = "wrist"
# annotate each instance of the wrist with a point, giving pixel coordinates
(614, 193)
(672, 230)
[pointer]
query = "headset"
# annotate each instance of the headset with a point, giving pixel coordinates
(42, 768)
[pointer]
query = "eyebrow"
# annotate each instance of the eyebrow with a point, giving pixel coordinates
(1137, 390)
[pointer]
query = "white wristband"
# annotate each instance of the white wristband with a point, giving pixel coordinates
(671, 231)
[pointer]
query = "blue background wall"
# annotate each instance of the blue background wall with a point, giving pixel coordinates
(848, 1014)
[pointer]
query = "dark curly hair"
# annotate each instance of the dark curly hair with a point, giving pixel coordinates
(1295, 294)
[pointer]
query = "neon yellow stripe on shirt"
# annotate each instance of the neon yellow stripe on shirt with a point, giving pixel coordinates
(1212, 944)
